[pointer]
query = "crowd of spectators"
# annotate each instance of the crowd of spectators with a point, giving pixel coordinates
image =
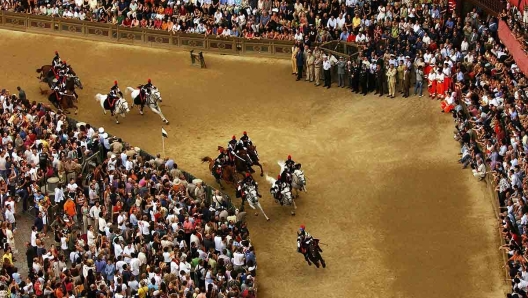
(517, 21)
(133, 227)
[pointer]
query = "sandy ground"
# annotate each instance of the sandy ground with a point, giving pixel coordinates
(398, 215)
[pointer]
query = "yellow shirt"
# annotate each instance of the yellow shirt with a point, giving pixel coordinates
(142, 292)
(356, 21)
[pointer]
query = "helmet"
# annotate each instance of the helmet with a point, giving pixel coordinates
(149, 81)
(56, 52)
(289, 157)
(248, 175)
(233, 138)
(115, 83)
(302, 227)
(278, 177)
(245, 133)
(57, 77)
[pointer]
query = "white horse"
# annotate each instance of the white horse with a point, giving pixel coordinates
(253, 200)
(298, 179)
(151, 101)
(286, 194)
(121, 106)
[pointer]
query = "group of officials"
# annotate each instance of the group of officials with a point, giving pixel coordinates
(383, 75)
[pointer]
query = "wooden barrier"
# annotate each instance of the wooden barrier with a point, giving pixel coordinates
(146, 37)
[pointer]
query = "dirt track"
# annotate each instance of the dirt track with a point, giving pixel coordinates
(400, 218)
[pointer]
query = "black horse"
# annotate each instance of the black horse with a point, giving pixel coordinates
(313, 253)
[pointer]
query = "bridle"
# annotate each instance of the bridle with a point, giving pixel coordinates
(120, 106)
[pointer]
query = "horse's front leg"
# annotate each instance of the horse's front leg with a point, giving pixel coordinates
(140, 108)
(158, 111)
(262, 210)
(261, 170)
(294, 207)
(76, 109)
(116, 120)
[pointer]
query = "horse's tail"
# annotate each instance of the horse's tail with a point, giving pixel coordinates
(98, 97)
(39, 70)
(129, 89)
(207, 159)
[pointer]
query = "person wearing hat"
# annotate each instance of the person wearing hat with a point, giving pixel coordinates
(399, 71)
(113, 96)
(145, 91)
(303, 241)
(245, 141)
(231, 149)
(56, 62)
(391, 80)
(248, 181)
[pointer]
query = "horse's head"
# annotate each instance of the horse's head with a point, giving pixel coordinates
(156, 95)
(77, 82)
(301, 179)
(123, 107)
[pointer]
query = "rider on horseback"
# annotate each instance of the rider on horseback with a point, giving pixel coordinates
(248, 181)
(246, 140)
(145, 91)
(290, 164)
(304, 239)
(55, 64)
(231, 149)
(113, 96)
(56, 60)
(276, 190)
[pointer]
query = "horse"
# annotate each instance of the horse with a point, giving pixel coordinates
(121, 106)
(243, 162)
(298, 181)
(63, 101)
(151, 101)
(226, 172)
(253, 155)
(44, 71)
(253, 199)
(286, 195)
(71, 83)
(314, 253)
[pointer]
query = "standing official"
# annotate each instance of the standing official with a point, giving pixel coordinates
(310, 70)
(318, 64)
(327, 66)
(391, 79)
(406, 81)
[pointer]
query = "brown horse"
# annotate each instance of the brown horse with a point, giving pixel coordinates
(44, 71)
(226, 172)
(253, 155)
(63, 102)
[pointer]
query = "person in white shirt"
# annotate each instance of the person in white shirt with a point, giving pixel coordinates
(332, 23)
(480, 170)
(10, 217)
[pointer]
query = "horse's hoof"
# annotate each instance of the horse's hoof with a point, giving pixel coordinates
(256, 213)
(141, 113)
(267, 219)
(75, 112)
(293, 213)
(261, 174)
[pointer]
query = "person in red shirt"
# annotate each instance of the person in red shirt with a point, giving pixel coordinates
(127, 22)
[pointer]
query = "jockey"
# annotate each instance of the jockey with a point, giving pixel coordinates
(290, 164)
(222, 158)
(303, 241)
(231, 148)
(248, 181)
(65, 68)
(56, 60)
(276, 190)
(113, 96)
(60, 84)
(147, 88)
(245, 141)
